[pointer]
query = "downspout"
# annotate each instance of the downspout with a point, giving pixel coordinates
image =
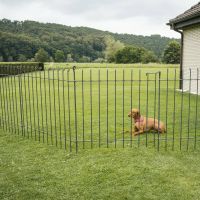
(181, 60)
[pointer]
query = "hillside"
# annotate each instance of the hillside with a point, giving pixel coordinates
(21, 40)
(155, 43)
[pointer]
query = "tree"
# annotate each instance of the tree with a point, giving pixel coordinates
(148, 57)
(127, 55)
(59, 56)
(99, 60)
(69, 58)
(172, 53)
(112, 46)
(132, 54)
(10, 59)
(84, 59)
(41, 56)
(21, 58)
(1, 58)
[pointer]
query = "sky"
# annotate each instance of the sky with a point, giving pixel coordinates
(138, 17)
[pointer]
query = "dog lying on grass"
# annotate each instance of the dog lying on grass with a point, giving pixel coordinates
(143, 124)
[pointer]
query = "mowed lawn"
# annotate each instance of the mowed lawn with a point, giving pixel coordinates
(88, 107)
(32, 170)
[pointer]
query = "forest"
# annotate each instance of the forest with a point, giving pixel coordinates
(31, 41)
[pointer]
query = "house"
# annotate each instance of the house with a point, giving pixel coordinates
(188, 25)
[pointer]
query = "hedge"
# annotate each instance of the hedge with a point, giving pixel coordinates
(14, 68)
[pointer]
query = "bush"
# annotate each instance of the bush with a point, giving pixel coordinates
(172, 53)
(9, 68)
(59, 56)
(131, 54)
(41, 56)
(100, 60)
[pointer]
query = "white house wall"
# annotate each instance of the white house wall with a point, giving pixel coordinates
(191, 58)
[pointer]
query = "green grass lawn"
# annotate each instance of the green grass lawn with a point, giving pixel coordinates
(31, 170)
(109, 65)
(40, 106)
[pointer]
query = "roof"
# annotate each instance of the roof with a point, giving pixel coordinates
(189, 17)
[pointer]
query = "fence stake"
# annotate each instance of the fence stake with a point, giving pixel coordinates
(159, 75)
(41, 106)
(181, 118)
(59, 112)
(50, 107)
(75, 108)
(55, 117)
(64, 109)
(174, 111)
(21, 105)
(25, 115)
(13, 105)
(139, 103)
(30, 109)
(123, 108)
(99, 101)
(37, 104)
(10, 104)
(16, 103)
(34, 115)
(1, 91)
(45, 105)
(155, 82)
(91, 124)
(115, 108)
(107, 136)
(147, 104)
(6, 103)
(167, 95)
(196, 114)
(69, 113)
(83, 110)
(189, 100)
(131, 135)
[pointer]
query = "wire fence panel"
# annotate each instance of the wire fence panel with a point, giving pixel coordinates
(88, 108)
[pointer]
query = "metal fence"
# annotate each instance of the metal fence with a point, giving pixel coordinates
(88, 108)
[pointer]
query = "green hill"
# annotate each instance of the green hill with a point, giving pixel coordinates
(20, 40)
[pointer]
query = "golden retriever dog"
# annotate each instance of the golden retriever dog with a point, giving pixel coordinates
(143, 124)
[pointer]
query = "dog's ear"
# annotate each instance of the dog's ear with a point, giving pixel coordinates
(138, 113)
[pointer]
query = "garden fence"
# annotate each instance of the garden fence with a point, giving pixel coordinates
(79, 108)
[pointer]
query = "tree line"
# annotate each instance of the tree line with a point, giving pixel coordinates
(34, 41)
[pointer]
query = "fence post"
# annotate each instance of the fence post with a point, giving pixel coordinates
(147, 104)
(1, 118)
(159, 75)
(21, 101)
(69, 112)
(75, 108)
(196, 108)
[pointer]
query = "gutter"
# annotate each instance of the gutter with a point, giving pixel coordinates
(181, 57)
(181, 60)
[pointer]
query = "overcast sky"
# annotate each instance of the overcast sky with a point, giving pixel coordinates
(141, 17)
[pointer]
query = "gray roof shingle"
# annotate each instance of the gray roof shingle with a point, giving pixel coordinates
(194, 11)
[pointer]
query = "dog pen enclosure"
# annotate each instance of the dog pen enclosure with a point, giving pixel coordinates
(88, 107)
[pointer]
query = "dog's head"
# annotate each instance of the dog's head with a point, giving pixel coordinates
(134, 113)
